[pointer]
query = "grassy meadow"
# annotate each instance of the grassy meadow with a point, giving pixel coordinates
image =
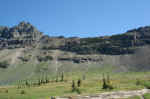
(92, 85)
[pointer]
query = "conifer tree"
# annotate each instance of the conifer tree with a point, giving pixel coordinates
(79, 82)
(62, 76)
(104, 82)
(73, 86)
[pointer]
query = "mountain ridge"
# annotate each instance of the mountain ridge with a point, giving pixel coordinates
(33, 54)
(26, 35)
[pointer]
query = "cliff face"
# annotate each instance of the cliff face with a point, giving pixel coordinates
(19, 36)
(125, 43)
(24, 34)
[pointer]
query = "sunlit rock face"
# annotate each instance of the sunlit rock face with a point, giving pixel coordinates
(20, 35)
(23, 31)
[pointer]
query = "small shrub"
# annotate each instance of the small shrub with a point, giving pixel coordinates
(44, 58)
(147, 96)
(24, 59)
(110, 86)
(138, 82)
(52, 97)
(57, 78)
(42, 81)
(73, 86)
(79, 83)
(4, 64)
(78, 91)
(22, 92)
(47, 80)
(62, 76)
(27, 83)
(146, 84)
(6, 91)
(106, 83)
(39, 82)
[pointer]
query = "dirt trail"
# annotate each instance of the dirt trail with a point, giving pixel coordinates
(115, 95)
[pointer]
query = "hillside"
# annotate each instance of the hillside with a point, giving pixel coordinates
(27, 53)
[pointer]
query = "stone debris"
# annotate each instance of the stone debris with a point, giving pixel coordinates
(115, 95)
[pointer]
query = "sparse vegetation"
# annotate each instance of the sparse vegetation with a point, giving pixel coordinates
(145, 83)
(146, 96)
(106, 83)
(51, 66)
(79, 83)
(122, 81)
(4, 64)
(22, 92)
(62, 76)
(44, 58)
(133, 97)
(73, 86)
(6, 91)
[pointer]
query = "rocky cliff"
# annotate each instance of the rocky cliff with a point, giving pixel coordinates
(119, 44)
(24, 34)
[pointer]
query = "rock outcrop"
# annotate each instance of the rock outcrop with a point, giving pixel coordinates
(24, 34)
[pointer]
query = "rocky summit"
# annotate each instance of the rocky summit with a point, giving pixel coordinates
(21, 35)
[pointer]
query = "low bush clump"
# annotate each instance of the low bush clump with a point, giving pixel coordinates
(22, 92)
(76, 88)
(6, 91)
(4, 64)
(106, 83)
(146, 96)
(144, 83)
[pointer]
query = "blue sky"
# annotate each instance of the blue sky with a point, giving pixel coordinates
(84, 18)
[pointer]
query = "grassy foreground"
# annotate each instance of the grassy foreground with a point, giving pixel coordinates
(146, 96)
(90, 86)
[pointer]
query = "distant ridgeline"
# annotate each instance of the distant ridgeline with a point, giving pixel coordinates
(24, 34)
(125, 43)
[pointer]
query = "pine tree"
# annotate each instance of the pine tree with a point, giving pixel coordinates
(104, 82)
(62, 76)
(108, 79)
(39, 82)
(79, 83)
(47, 80)
(57, 78)
(27, 83)
(73, 86)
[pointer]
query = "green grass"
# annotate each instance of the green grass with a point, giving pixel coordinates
(133, 97)
(147, 96)
(92, 85)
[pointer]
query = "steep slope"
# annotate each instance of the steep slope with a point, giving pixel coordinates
(27, 53)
